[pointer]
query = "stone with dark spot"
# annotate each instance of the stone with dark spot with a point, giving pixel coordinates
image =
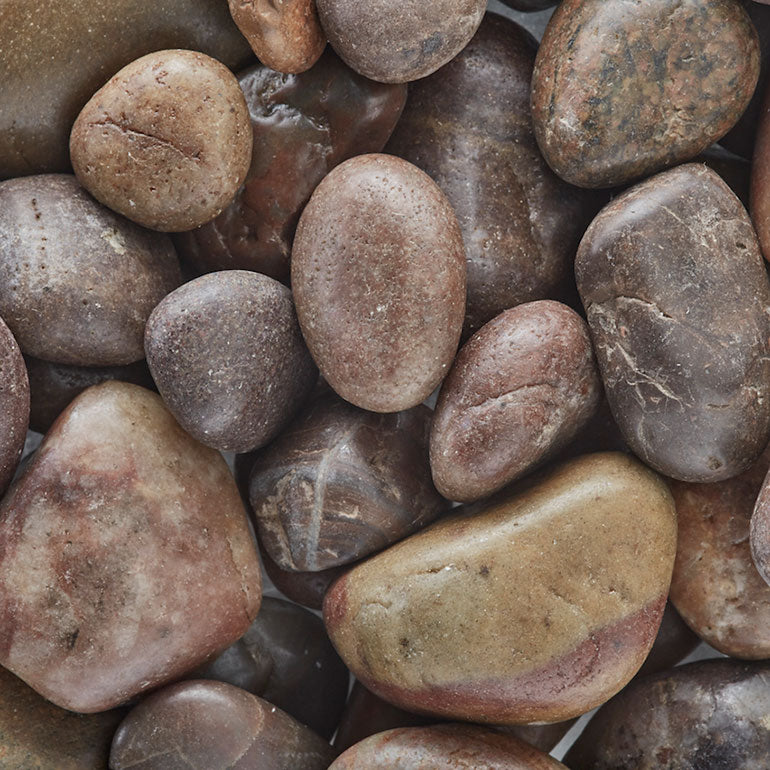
(125, 554)
(623, 89)
(674, 642)
(14, 405)
(677, 300)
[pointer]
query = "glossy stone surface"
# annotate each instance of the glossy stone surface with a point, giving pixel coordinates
(77, 282)
(206, 725)
(378, 275)
(166, 141)
(518, 391)
(303, 126)
(286, 658)
(228, 357)
(676, 295)
(433, 626)
(14, 405)
(710, 714)
(126, 555)
(341, 483)
(396, 43)
(759, 532)
(621, 90)
(674, 642)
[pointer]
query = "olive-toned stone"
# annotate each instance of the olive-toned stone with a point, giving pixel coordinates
(378, 274)
(166, 141)
(468, 126)
(286, 35)
(126, 554)
(677, 295)
(341, 483)
(77, 282)
(396, 43)
(454, 747)
(674, 642)
(228, 357)
(518, 391)
(333, 114)
(621, 90)
(14, 405)
(759, 531)
(533, 609)
(711, 714)
(286, 658)
(205, 725)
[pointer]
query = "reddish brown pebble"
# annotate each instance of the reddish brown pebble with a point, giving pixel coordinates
(14, 405)
(759, 533)
(166, 142)
(207, 725)
(378, 274)
(621, 90)
(118, 541)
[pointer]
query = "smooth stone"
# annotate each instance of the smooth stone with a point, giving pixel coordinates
(396, 43)
(166, 141)
(126, 554)
(707, 715)
(55, 55)
(205, 725)
(14, 405)
(53, 386)
(760, 179)
(759, 531)
(432, 624)
(674, 642)
(621, 90)
(453, 746)
(341, 483)
(519, 390)
(676, 295)
(77, 282)
(303, 126)
(378, 275)
(227, 355)
(286, 658)
(285, 35)
(468, 126)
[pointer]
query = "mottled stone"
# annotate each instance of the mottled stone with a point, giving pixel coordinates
(710, 715)
(286, 658)
(228, 357)
(126, 555)
(518, 391)
(303, 126)
(621, 90)
(205, 725)
(674, 642)
(378, 275)
(77, 282)
(677, 298)
(166, 141)
(533, 609)
(14, 405)
(759, 532)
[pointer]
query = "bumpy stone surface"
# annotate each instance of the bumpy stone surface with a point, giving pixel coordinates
(399, 42)
(166, 141)
(518, 391)
(77, 282)
(341, 483)
(14, 405)
(228, 357)
(126, 555)
(468, 126)
(286, 658)
(759, 532)
(677, 295)
(202, 725)
(621, 89)
(432, 624)
(303, 126)
(711, 714)
(378, 274)
(674, 642)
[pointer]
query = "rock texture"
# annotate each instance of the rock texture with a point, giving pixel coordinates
(14, 405)
(759, 532)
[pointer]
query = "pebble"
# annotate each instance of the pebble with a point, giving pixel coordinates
(14, 405)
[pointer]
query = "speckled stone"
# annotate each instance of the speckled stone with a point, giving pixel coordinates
(707, 715)
(14, 405)
(77, 282)
(228, 358)
(378, 275)
(205, 725)
(621, 90)
(433, 626)
(126, 555)
(759, 532)
(674, 642)
(677, 295)
(166, 141)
